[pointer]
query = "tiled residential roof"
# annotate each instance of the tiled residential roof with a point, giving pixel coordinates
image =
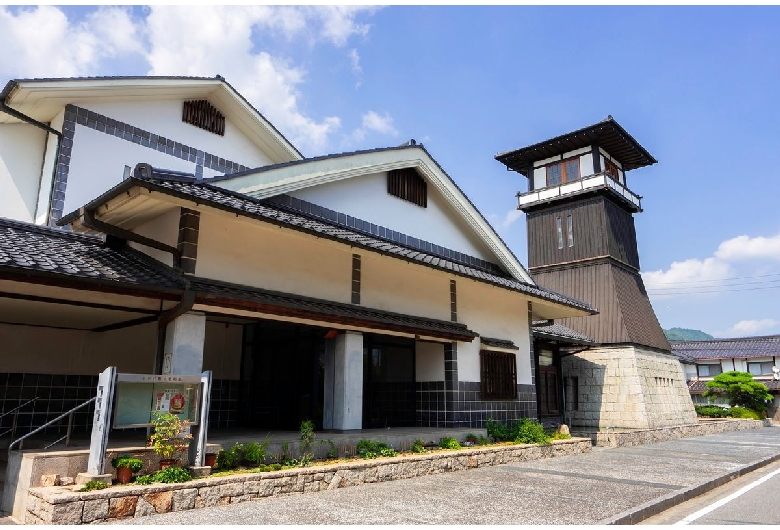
(498, 343)
(30, 250)
(214, 292)
(559, 332)
(175, 184)
(741, 348)
(698, 387)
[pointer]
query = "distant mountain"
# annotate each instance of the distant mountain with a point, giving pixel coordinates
(680, 334)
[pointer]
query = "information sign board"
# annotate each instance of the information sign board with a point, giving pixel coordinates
(138, 395)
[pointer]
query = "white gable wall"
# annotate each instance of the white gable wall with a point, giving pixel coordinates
(21, 157)
(366, 198)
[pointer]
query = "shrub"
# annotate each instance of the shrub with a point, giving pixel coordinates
(741, 412)
(254, 453)
(498, 431)
(530, 432)
(228, 459)
(740, 390)
(144, 480)
(472, 438)
(170, 436)
(133, 464)
(418, 446)
(711, 411)
(483, 440)
(172, 474)
(94, 485)
(369, 449)
(307, 435)
(449, 443)
(557, 435)
(332, 451)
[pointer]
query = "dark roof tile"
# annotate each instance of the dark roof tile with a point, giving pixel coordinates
(740, 348)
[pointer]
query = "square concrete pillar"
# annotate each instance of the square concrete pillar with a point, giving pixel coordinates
(184, 341)
(347, 383)
(329, 382)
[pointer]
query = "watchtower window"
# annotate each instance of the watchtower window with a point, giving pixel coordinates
(562, 172)
(611, 170)
(559, 231)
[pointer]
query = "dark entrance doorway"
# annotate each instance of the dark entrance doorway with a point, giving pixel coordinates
(388, 382)
(548, 384)
(281, 375)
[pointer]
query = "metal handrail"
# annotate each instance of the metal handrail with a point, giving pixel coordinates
(58, 418)
(12, 430)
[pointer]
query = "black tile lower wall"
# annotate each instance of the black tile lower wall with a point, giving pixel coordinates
(59, 393)
(471, 411)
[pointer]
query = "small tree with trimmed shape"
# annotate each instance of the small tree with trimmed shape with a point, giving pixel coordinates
(740, 390)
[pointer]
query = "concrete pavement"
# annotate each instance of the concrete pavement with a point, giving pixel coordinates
(608, 485)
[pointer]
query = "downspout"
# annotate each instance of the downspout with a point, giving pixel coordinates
(4, 95)
(168, 316)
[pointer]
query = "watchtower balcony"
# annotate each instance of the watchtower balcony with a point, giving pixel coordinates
(600, 182)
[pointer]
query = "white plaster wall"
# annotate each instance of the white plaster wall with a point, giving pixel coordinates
(246, 252)
(621, 174)
(394, 285)
(366, 198)
(540, 178)
(98, 161)
(586, 165)
(429, 359)
(47, 172)
(164, 229)
(164, 118)
(27, 349)
(21, 158)
(222, 351)
(690, 371)
(497, 314)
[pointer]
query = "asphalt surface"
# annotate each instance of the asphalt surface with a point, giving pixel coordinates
(759, 505)
(584, 489)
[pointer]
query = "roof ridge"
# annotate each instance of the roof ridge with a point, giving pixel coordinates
(729, 339)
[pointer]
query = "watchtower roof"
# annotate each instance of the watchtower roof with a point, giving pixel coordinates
(607, 134)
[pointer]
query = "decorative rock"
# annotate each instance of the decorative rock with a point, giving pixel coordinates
(94, 510)
(68, 481)
(50, 480)
(563, 429)
(122, 507)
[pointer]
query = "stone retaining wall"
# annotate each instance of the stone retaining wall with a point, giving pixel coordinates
(620, 438)
(60, 505)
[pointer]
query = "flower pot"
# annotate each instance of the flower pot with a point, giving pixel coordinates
(167, 462)
(211, 459)
(124, 475)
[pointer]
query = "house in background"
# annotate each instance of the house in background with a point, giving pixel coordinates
(702, 360)
(357, 290)
(582, 242)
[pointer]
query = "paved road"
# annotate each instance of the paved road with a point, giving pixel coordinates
(582, 489)
(731, 503)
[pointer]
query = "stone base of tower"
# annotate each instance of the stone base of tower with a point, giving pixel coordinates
(625, 386)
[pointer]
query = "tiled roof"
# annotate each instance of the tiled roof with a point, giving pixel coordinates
(328, 311)
(28, 249)
(742, 348)
(559, 332)
(498, 343)
(175, 184)
(697, 387)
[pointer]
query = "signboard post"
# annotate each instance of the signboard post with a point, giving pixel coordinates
(100, 424)
(197, 452)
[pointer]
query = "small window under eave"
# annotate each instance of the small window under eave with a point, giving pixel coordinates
(406, 184)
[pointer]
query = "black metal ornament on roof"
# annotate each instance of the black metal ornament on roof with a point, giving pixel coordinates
(203, 114)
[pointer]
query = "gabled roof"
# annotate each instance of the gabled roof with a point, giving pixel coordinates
(738, 348)
(179, 185)
(607, 134)
(276, 179)
(42, 99)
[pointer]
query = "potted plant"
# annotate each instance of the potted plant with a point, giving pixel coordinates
(170, 437)
(211, 459)
(125, 466)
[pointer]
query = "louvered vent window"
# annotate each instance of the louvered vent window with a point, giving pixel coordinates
(203, 114)
(406, 184)
(498, 375)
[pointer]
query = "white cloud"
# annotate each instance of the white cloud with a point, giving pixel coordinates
(42, 42)
(374, 122)
(743, 248)
(690, 270)
(354, 59)
(510, 217)
(338, 22)
(753, 327)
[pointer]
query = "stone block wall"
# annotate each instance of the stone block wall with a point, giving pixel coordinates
(627, 387)
(60, 505)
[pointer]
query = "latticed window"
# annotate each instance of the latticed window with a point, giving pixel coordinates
(498, 375)
(406, 184)
(562, 172)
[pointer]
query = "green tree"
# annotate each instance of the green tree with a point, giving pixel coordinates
(740, 390)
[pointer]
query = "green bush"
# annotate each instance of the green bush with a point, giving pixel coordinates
(498, 431)
(307, 435)
(254, 453)
(741, 412)
(369, 449)
(711, 411)
(523, 431)
(418, 446)
(449, 443)
(94, 485)
(172, 474)
(145, 480)
(557, 435)
(133, 464)
(740, 390)
(228, 458)
(482, 440)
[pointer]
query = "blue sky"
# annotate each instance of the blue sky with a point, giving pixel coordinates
(697, 86)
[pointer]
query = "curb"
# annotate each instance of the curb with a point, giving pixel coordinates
(656, 506)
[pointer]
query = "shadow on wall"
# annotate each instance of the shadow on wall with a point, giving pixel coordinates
(584, 384)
